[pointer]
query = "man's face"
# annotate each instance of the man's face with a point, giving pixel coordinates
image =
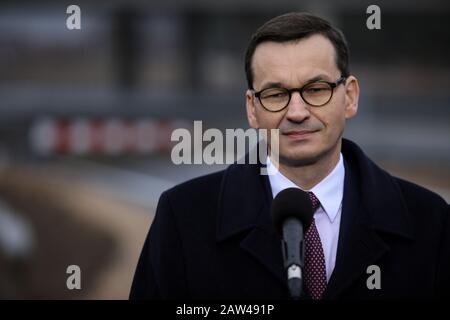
(307, 133)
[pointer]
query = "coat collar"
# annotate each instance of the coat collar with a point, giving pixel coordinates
(381, 197)
(372, 205)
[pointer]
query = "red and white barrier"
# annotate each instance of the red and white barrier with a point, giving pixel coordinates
(82, 136)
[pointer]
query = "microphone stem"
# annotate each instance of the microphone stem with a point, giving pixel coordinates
(295, 281)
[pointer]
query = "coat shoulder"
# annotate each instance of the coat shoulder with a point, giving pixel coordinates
(202, 185)
(421, 198)
(194, 199)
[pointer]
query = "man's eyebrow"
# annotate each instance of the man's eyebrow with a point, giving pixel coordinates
(281, 85)
(317, 78)
(272, 85)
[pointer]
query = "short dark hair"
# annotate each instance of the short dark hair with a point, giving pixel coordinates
(295, 26)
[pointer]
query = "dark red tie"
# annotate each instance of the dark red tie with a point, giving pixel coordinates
(315, 272)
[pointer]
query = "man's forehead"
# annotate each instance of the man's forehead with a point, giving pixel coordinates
(312, 46)
(302, 56)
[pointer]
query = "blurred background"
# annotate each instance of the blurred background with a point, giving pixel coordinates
(86, 117)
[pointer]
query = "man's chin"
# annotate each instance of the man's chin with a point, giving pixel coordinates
(298, 160)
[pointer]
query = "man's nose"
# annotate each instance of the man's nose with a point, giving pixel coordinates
(298, 109)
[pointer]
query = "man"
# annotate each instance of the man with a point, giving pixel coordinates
(213, 237)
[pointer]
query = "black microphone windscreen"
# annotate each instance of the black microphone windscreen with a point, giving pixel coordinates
(292, 202)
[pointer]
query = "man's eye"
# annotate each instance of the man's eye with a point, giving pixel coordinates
(274, 95)
(316, 89)
(278, 94)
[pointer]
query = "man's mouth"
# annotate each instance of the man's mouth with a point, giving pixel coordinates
(299, 134)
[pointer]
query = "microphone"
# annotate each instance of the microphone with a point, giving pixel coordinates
(292, 213)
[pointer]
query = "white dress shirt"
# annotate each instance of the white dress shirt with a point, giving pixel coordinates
(329, 191)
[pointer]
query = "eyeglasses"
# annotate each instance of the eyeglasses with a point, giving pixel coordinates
(316, 94)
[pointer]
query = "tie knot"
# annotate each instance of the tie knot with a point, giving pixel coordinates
(314, 200)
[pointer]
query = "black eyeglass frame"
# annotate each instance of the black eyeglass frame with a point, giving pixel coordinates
(333, 85)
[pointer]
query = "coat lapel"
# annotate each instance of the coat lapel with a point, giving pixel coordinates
(372, 207)
(244, 206)
(358, 247)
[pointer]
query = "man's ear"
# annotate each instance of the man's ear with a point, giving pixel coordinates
(251, 109)
(351, 97)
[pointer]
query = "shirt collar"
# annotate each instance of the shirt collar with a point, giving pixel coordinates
(329, 191)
